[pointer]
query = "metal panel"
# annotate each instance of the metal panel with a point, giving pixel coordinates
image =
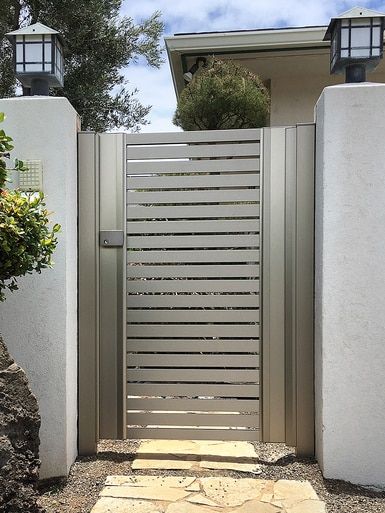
(112, 297)
(305, 290)
(192, 360)
(205, 136)
(193, 196)
(88, 183)
(193, 375)
(193, 390)
(194, 241)
(192, 316)
(273, 264)
(193, 151)
(193, 300)
(191, 256)
(158, 286)
(227, 226)
(192, 271)
(193, 330)
(232, 165)
(210, 405)
(194, 211)
(192, 419)
(160, 433)
(199, 181)
(190, 345)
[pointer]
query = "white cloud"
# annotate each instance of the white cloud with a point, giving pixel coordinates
(156, 86)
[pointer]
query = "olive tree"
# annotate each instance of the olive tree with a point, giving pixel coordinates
(223, 95)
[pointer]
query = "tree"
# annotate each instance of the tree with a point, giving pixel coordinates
(99, 43)
(26, 239)
(223, 95)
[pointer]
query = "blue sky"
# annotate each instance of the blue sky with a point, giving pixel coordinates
(155, 85)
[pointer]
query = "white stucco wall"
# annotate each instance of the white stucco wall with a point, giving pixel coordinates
(39, 321)
(350, 283)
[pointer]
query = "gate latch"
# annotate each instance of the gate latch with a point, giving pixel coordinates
(111, 238)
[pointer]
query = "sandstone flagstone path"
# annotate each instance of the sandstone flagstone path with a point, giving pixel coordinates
(196, 455)
(157, 494)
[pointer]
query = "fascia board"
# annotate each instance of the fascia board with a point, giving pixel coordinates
(225, 41)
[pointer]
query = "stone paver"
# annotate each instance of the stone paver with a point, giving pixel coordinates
(196, 455)
(173, 494)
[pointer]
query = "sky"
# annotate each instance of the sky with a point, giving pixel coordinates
(155, 85)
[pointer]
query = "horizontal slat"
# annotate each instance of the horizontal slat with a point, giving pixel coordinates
(134, 286)
(193, 271)
(231, 405)
(191, 256)
(173, 197)
(192, 300)
(229, 225)
(252, 435)
(192, 360)
(199, 136)
(192, 419)
(193, 211)
(193, 241)
(195, 181)
(192, 315)
(193, 375)
(192, 390)
(191, 330)
(194, 166)
(194, 346)
(193, 151)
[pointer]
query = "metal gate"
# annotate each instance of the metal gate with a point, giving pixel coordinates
(189, 296)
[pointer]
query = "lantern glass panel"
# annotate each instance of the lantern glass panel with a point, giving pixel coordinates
(344, 53)
(47, 52)
(19, 53)
(360, 38)
(344, 38)
(33, 67)
(33, 52)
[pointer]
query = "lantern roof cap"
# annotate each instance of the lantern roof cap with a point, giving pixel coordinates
(355, 12)
(36, 28)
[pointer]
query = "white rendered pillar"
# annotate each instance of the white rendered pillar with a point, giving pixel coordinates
(350, 283)
(39, 321)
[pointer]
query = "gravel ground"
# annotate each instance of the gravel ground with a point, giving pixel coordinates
(79, 492)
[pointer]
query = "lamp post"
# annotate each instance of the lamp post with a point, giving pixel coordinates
(357, 38)
(38, 58)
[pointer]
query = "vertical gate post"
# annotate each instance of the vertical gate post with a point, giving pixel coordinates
(350, 283)
(88, 200)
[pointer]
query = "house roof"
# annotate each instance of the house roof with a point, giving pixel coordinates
(183, 49)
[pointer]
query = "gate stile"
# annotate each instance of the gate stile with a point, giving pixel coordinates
(193, 285)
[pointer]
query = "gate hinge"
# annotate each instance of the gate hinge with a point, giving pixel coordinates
(111, 238)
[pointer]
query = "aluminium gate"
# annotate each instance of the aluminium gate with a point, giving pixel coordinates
(189, 295)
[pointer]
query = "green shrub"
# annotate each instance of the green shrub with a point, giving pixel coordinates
(26, 239)
(223, 95)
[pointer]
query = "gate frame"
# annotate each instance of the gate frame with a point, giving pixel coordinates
(287, 397)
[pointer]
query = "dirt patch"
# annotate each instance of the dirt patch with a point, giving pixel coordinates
(79, 492)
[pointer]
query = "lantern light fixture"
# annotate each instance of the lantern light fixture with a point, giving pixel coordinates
(199, 63)
(38, 57)
(357, 38)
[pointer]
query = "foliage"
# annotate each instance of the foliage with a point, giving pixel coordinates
(26, 240)
(99, 43)
(223, 95)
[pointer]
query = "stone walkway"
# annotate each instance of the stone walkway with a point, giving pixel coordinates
(188, 494)
(196, 455)
(156, 494)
